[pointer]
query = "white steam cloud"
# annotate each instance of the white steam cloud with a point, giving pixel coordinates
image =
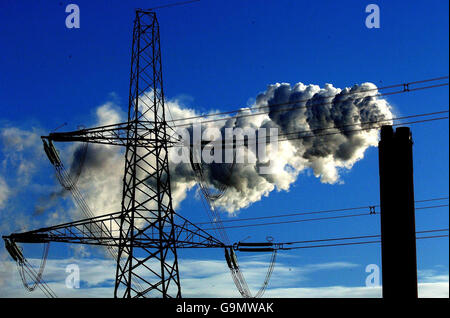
(294, 110)
(299, 108)
(4, 192)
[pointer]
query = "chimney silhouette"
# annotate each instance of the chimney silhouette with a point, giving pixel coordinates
(398, 235)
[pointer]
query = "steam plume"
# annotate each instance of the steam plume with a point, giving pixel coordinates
(298, 108)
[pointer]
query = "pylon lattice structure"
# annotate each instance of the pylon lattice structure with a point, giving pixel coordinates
(149, 230)
(146, 186)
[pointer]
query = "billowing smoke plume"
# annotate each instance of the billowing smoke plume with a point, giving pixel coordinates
(47, 202)
(336, 118)
(100, 181)
(294, 111)
(97, 171)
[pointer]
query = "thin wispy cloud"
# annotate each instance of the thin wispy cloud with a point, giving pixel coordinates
(210, 278)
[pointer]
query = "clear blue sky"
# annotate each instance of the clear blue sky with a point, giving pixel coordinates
(217, 55)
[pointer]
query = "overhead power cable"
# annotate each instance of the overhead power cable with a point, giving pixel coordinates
(316, 219)
(356, 243)
(356, 237)
(370, 210)
(174, 4)
(263, 247)
(367, 123)
(69, 183)
(294, 135)
(367, 208)
(406, 87)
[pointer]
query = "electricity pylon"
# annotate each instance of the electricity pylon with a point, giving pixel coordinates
(147, 263)
(146, 166)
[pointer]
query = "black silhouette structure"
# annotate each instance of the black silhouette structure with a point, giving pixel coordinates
(149, 229)
(398, 238)
(143, 237)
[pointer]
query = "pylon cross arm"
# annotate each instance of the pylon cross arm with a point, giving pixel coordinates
(115, 134)
(104, 231)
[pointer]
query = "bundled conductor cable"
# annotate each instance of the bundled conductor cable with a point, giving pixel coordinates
(69, 182)
(26, 270)
(230, 256)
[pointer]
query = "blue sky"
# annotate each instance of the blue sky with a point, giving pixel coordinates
(218, 55)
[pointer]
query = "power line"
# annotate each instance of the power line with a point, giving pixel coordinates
(431, 207)
(356, 237)
(292, 221)
(305, 100)
(309, 219)
(434, 199)
(367, 207)
(364, 129)
(282, 246)
(374, 122)
(291, 214)
(315, 219)
(355, 243)
(241, 141)
(405, 89)
(277, 110)
(370, 211)
(174, 4)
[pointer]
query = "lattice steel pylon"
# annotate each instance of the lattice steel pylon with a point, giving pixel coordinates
(144, 235)
(146, 182)
(150, 231)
